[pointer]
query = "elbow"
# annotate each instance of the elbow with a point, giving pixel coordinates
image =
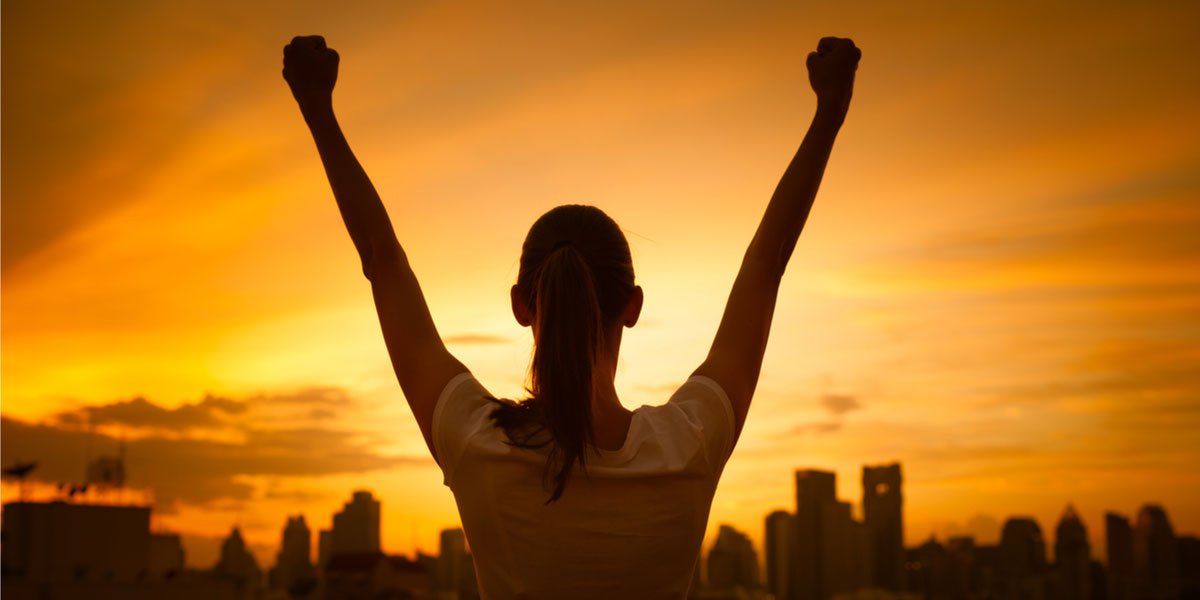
(378, 258)
(767, 260)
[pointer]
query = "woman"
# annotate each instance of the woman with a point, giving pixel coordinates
(568, 494)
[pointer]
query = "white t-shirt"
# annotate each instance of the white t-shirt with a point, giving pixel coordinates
(630, 528)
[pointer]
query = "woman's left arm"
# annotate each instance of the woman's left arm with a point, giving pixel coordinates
(422, 364)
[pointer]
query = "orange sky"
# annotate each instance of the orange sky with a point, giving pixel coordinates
(1002, 269)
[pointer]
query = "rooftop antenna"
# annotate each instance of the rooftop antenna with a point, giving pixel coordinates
(91, 434)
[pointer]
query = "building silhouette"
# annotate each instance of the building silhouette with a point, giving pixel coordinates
(1118, 536)
(75, 549)
(362, 575)
(732, 561)
(238, 565)
(1155, 556)
(930, 570)
(356, 527)
(883, 516)
(1072, 557)
(324, 548)
(778, 542)
(455, 575)
(962, 566)
(166, 559)
(826, 539)
(820, 552)
(63, 541)
(293, 572)
(1189, 567)
(1022, 566)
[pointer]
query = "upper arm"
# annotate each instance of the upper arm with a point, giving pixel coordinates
(419, 358)
(735, 358)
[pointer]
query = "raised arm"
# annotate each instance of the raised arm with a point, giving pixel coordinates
(420, 359)
(735, 359)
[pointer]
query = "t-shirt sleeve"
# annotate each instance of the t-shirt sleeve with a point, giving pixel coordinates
(706, 405)
(462, 410)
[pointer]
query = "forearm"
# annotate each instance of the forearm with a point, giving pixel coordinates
(789, 207)
(362, 211)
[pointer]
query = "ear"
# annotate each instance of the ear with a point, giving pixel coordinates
(633, 310)
(519, 308)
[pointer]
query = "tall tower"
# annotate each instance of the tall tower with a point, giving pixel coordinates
(293, 564)
(1119, 537)
(238, 564)
(453, 560)
(1073, 556)
(732, 562)
(823, 539)
(779, 540)
(1022, 558)
(1155, 555)
(356, 528)
(883, 513)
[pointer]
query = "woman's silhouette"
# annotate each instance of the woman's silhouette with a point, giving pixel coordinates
(568, 494)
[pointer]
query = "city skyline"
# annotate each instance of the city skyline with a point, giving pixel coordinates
(997, 287)
(361, 525)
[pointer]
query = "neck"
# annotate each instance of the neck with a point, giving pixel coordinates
(610, 419)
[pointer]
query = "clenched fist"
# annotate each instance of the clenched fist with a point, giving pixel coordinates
(831, 72)
(310, 69)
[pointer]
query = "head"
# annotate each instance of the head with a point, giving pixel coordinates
(576, 290)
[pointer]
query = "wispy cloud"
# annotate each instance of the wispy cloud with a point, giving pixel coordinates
(210, 412)
(839, 404)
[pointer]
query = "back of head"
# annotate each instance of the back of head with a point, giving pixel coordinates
(576, 278)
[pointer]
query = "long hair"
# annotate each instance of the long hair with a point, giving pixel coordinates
(576, 278)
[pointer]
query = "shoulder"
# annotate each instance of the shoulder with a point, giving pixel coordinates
(703, 398)
(703, 403)
(463, 408)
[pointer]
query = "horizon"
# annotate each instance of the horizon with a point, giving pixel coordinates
(984, 530)
(997, 288)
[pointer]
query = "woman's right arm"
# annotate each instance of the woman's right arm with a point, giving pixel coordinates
(735, 358)
(420, 360)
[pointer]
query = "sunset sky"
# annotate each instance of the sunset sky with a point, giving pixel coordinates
(999, 285)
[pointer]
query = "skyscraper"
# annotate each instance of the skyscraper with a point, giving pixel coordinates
(778, 541)
(324, 548)
(732, 562)
(293, 564)
(1118, 536)
(356, 528)
(1155, 555)
(823, 539)
(1022, 557)
(455, 569)
(239, 565)
(1073, 556)
(883, 515)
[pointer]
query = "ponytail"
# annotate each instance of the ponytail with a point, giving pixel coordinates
(571, 303)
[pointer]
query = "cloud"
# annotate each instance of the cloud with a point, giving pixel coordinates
(213, 413)
(194, 470)
(138, 412)
(839, 404)
(322, 395)
(201, 452)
